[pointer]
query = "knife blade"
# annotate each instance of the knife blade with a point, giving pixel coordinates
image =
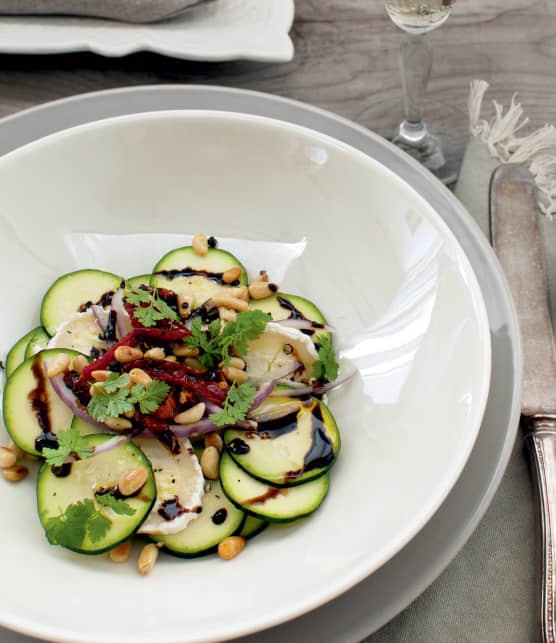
(516, 237)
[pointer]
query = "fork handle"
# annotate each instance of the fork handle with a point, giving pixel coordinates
(541, 443)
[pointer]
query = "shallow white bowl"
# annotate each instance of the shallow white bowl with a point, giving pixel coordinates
(328, 223)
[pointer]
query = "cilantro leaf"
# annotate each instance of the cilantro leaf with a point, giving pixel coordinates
(116, 382)
(97, 526)
(236, 405)
(149, 308)
(117, 505)
(326, 365)
(248, 326)
(79, 519)
(103, 404)
(149, 397)
(70, 442)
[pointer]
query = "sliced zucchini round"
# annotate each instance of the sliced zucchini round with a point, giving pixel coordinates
(140, 280)
(184, 270)
(299, 444)
(83, 427)
(86, 481)
(218, 519)
(16, 354)
(72, 292)
(252, 527)
(268, 502)
(33, 413)
(37, 343)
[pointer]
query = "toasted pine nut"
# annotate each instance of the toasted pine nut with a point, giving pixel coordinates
(128, 353)
(231, 374)
(200, 244)
(181, 350)
(262, 289)
(138, 376)
(186, 303)
(210, 459)
(147, 559)
(230, 547)
(227, 314)
(237, 362)
(18, 452)
(171, 358)
(185, 396)
(191, 415)
(15, 473)
(117, 424)
(57, 365)
(101, 376)
(120, 554)
(129, 414)
(263, 276)
(239, 292)
(195, 364)
(232, 274)
(7, 458)
(79, 363)
(230, 302)
(214, 440)
(131, 481)
(155, 353)
(31, 458)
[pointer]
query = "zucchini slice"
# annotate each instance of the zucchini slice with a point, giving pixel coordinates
(33, 413)
(252, 527)
(268, 502)
(73, 292)
(135, 282)
(218, 519)
(92, 478)
(83, 427)
(16, 354)
(37, 343)
(201, 277)
(288, 449)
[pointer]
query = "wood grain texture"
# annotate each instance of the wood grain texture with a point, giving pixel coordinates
(346, 61)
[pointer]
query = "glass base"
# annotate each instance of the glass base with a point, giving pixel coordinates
(414, 139)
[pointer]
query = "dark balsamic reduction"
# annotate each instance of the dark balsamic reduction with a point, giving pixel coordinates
(104, 300)
(39, 403)
(272, 492)
(238, 446)
(169, 440)
(170, 509)
(321, 451)
(61, 471)
(275, 428)
(297, 314)
(110, 332)
(114, 491)
(190, 272)
(219, 516)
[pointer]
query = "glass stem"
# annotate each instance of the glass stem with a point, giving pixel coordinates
(415, 65)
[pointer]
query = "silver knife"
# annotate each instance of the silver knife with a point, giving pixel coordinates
(516, 238)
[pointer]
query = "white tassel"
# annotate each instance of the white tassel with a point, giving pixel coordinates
(537, 150)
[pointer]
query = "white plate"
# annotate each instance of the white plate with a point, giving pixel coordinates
(216, 31)
(386, 270)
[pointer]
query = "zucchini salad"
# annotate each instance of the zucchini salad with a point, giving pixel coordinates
(184, 407)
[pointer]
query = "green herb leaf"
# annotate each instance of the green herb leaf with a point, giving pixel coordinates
(98, 526)
(103, 404)
(79, 519)
(116, 382)
(236, 405)
(149, 308)
(248, 326)
(149, 397)
(121, 507)
(70, 442)
(326, 366)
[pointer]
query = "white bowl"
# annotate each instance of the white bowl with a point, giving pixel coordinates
(328, 223)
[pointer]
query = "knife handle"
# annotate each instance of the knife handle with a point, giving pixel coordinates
(541, 442)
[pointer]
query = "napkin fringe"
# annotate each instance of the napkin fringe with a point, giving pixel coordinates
(536, 150)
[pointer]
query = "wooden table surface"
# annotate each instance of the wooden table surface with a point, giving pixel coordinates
(345, 61)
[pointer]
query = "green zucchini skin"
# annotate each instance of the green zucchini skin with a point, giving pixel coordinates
(73, 290)
(37, 342)
(83, 427)
(55, 494)
(252, 527)
(202, 535)
(136, 282)
(16, 354)
(283, 457)
(275, 504)
(20, 420)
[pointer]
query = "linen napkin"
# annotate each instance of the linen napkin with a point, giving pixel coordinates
(489, 593)
(124, 10)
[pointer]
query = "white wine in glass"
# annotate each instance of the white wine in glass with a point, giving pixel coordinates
(416, 18)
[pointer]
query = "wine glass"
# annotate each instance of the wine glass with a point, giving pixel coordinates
(416, 18)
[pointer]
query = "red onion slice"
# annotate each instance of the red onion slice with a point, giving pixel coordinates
(101, 315)
(105, 447)
(265, 390)
(123, 320)
(315, 390)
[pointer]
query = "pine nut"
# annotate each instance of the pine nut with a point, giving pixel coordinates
(129, 414)
(210, 459)
(230, 547)
(101, 376)
(200, 244)
(232, 374)
(79, 363)
(31, 458)
(263, 276)
(120, 554)
(15, 473)
(262, 289)
(147, 559)
(155, 353)
(185, 397)
(18, 452)
(7, 458)
(171, 358)
(230, 302)
(181, 350)
(240, 292)
(235, 362)
(194, 364)
(138, 376)
(191, 415)
(57, 365)
(186, 303)
(117, 424)
(133, 480)
(232, 274)
(227, 314)
(127, 354)
(214, 440)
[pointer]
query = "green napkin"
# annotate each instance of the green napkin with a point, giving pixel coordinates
(489, 593)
